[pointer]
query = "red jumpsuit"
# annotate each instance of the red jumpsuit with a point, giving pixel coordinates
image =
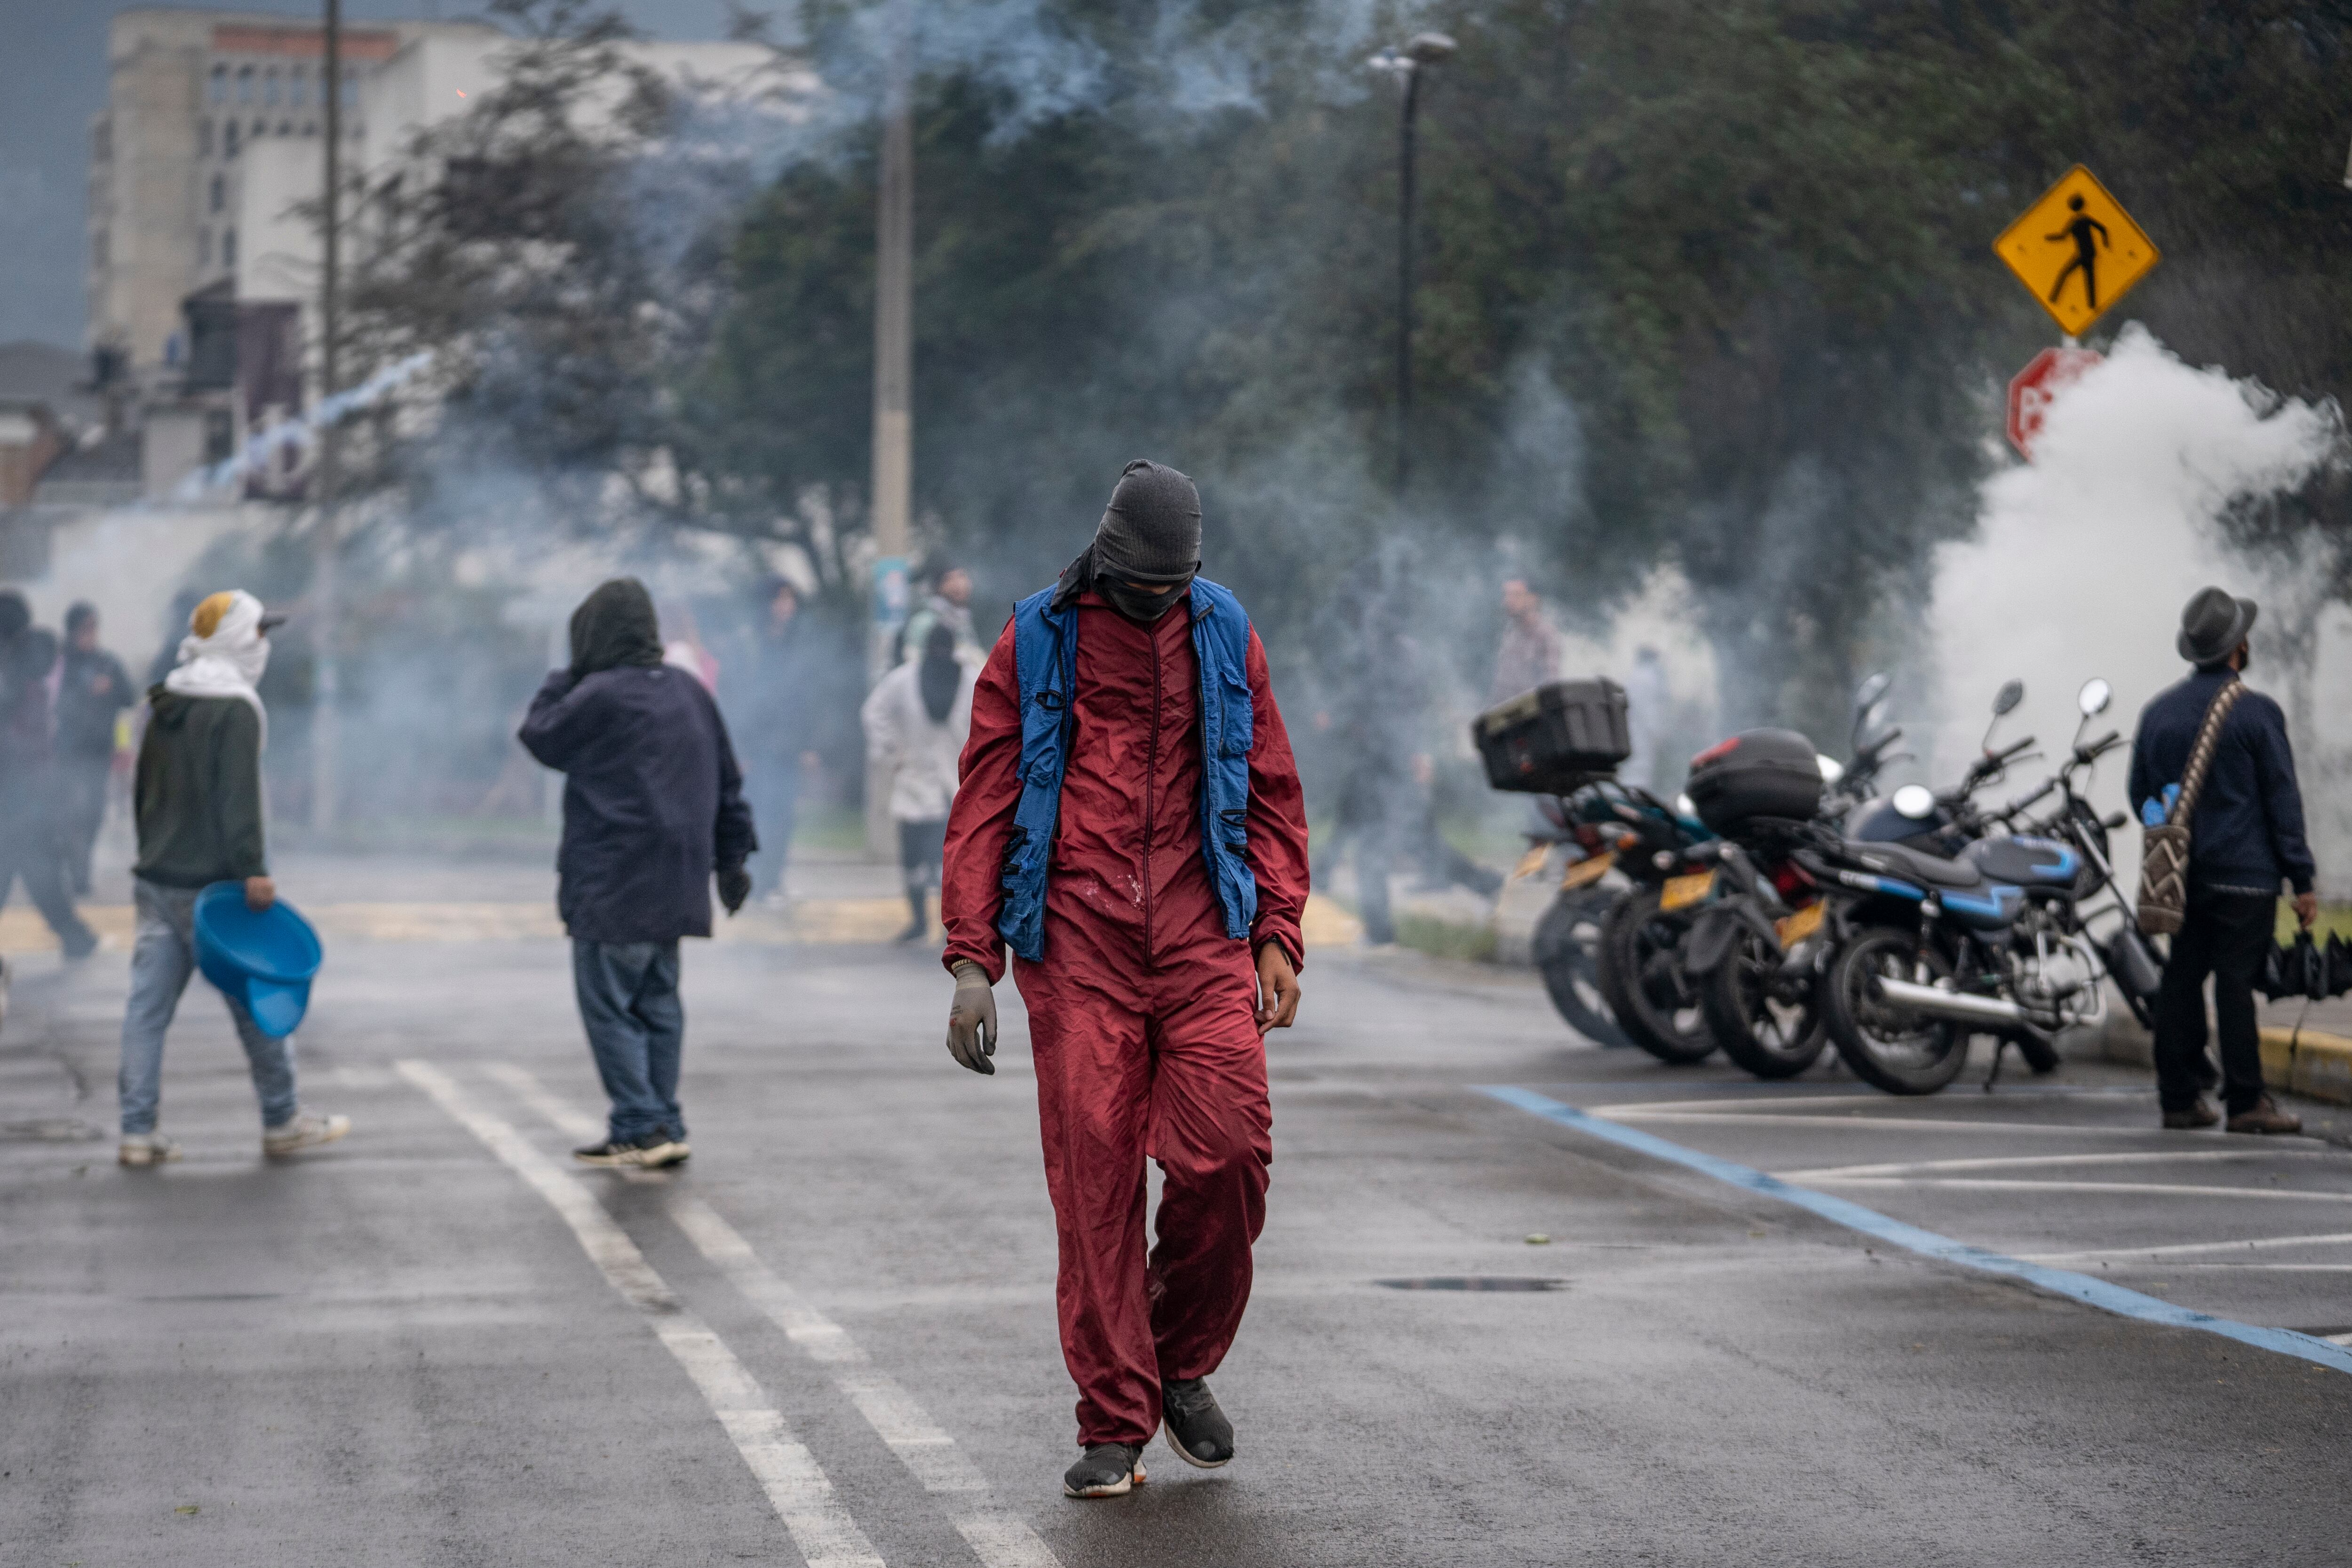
(1141, 1012)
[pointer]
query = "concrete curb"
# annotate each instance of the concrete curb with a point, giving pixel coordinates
(2310, 1063)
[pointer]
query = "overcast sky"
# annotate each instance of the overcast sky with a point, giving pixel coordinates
(53, 78)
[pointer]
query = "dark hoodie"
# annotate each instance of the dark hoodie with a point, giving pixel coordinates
(197, 796)
(653, 801)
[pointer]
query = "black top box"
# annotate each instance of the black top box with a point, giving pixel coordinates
(1556, 739)
(1756, 773)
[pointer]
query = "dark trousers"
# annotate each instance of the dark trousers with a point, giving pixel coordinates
(773, 788)
(28, 848)
(81, 812)
(636, 1030)
(922, 845)
(2225, 935)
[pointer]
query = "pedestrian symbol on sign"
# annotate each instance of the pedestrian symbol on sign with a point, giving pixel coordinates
(2077, 250)
(2080, 229)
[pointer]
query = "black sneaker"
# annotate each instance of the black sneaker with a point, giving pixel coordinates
(652, 1150)
(1108, 1469)
(1193, 1425)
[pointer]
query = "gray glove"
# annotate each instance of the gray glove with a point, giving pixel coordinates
(971, 1019)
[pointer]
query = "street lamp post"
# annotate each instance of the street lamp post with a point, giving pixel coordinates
(1405, 64)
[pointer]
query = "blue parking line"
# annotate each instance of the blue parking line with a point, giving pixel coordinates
(1870, 1222)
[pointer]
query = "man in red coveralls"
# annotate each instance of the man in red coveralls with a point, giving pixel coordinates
(1123, 710)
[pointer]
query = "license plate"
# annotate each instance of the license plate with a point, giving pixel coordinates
(1796, 928)
(1681, 892)
(1587, 871)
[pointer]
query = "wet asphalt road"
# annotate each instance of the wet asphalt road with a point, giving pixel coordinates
(401, 1351)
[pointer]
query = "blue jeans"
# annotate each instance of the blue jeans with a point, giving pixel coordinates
(636, 1030)
(162, 958)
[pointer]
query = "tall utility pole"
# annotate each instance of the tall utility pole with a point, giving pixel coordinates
(326, 681)
(1424, 50)
(894, 370)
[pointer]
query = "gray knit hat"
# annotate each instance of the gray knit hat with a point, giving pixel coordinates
(1152, 531)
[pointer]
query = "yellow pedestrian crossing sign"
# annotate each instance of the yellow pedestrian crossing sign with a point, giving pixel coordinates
(2077, 250)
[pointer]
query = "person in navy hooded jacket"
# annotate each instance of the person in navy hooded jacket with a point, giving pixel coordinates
(652, 805)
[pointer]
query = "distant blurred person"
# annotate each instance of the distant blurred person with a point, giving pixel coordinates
(2245, 839)
(917, 720)
(1529, 653)
(653, 806)
(30, 843)
(197, 800)
(93, 692)
(1647, 695)
(947, 604)
(775, 728)
(683, 649)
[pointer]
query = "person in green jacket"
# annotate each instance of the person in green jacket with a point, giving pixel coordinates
(197, 801)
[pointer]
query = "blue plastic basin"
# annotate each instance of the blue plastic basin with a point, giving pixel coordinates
(265, 958)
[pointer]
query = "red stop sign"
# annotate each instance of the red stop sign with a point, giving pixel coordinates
(2033, 389)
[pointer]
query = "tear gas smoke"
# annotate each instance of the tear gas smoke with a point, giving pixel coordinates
(2083, 558)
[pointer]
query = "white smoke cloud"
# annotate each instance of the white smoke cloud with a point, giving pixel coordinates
(2083, 558)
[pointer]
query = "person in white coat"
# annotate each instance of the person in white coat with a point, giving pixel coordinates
(916, 721)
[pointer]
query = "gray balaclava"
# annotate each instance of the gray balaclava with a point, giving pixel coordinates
(1151, 533)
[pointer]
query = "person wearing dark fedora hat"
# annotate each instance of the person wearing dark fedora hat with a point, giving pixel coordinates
(2245, 839)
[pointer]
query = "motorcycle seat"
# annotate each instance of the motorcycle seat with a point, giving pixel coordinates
(1913, 865)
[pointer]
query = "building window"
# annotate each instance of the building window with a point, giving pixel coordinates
(219, 193)
(220, 434)
(228, 139)
(203, 247)
(219, 91)
(297, 89)
(228, 248)
(204, 137)
(309, 128)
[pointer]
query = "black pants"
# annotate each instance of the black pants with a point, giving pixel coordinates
(81, 811)
(922, 845)
(2225, 936)
(29, 849)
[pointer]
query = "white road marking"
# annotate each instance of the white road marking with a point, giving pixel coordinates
(1916, 1167)
(796, 1486)
(2169, 1267)
(1871, 1124)
(2163, 1189)
(1801, 1101)
(2184, 1248)
(999, 1539)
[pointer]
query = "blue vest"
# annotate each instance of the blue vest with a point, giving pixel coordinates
(1045, 664)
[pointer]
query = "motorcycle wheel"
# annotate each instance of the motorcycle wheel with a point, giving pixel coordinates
(1566, 950)
(1652, 998)
(1902, 1053)
(1770, 1026)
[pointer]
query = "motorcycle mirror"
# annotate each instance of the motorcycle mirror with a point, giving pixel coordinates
(1831, 769)
(2012, 693)
(1871, 690)
(1685, 807)
(2094, 697)
(1916, 802)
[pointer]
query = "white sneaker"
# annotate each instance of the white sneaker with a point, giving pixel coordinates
(307, 1129)
(146, 1148)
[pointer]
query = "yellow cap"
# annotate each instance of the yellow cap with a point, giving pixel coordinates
(207, 618)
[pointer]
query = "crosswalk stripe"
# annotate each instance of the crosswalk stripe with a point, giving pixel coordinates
(1000, 1540)
(796, 1486)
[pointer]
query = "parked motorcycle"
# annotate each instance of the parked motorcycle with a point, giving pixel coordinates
(1928, 949)
(1755, 952)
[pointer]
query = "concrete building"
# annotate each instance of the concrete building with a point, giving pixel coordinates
(211, 123)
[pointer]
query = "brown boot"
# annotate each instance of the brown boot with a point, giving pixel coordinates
(2265, 1116)
(2201, 1114)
